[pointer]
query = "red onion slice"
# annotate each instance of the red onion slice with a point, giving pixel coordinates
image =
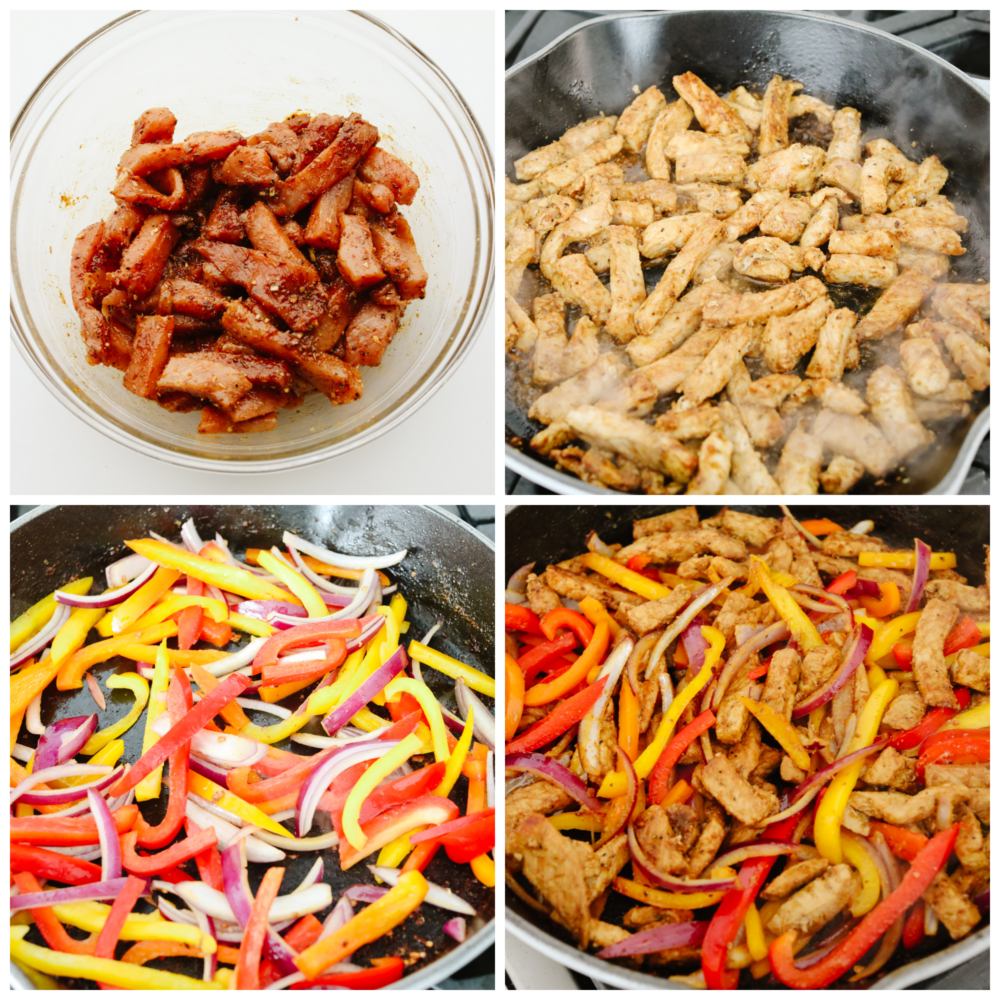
(256, 849)
(518, 582)
(360, 601)
(107, 889)
(920, 574)
(343, 713)
(62, 740)
(695, 644)
(56, 796)
(857, 651)
(612, 670)
(552, 770)
(36, 644)
(863, 588)
(773, 633)
(824, 774)
(701, 599)
(658, 939)
(127, 568)
(807, 535)
(190, 536)
(455, 928)
(109, 598)
(483, 723)
(828, 603)
(762, 848)
(107, 834)
(365, 893)
(341, 560)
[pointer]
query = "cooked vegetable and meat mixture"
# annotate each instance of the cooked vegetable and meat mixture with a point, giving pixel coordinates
(239, 275)
(745, 749)
(741, 368)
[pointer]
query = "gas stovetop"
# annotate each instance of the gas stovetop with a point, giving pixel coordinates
(962, 37)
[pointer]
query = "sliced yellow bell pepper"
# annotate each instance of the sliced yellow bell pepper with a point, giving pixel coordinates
(971, 718)
(666, 900)
(72, 671)
(122, 975)
(596, 612)
(137, 927)
(118, 619)
(367, 720)
(578, 821)
(983, 649)
(756, 944)
(366, 784)
(906, 560)
(109, 754)
(871, 886)
(875, 677)
(802, 629)
(296, 583)
(781, 729)
(73, 634)
(398, 606)
(484, 869)
(208, 789)
(252, 626)
(615, 782)
(279, 731)
(889, 634)
(454, 766)
(39, 614)
(453, 668)
(396, 851)
(230, 578)
(135, 684)
(215, 609)
(831, 809)
(432, 710)
(625, 577)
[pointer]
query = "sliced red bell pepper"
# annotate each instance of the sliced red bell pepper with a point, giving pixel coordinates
(570, 712)
(209, 861)
(73, 832)
(303, 935)
(248, 967)
(757, 671)
(903, 654)
(188, 626)
(520, 618)
(873, 926)
(384, 971)
(421, 856)
(931, 723)
(428, 810)
(309, 634)
(51, 865)
(638, 564)
(729, 915)
(402, 790)
(964, 635)
(532, 662)
(175, 874)
(559, 618)
(404, 725)
(913, 927)
(121, 908)
(471, 841)
(843, 583)
(445, 830)
(209, 706)
(402, 705)
(954, 746)
(217, 633)
(276, 674)
(232, 713)
(195, 588)
(56, 936)
(673, 751)
(905, 844)
(175, 855)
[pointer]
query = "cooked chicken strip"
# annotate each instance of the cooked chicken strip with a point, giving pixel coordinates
(856, 438)
(954, 909)
(977, 296)
(557, 178)
(934, 265)
(929, 668)
(675, 118)
(962, 315)
(661, 193)
(896, 305)
(929, 179)
(822, 223)
(687, 424)
(856, 269)
(628, 289)
(632, 213)
(544, 214)
(933, 215)
(804, 104)
(675, 327)
(844, 174)
(596, 183)
(818, 903)
(774, 115)
(713, 114)
(669, 235)
(833, 395)
(930, 411)
(892, 410)
(668, 372)
(716, 264)
(678, 545)
(583, 348)
(584, 388)
(772, 390)
(973, 359)
(518, 254)
(759, 416)
(882, 147)
(550, 319)
(787, 220)
(760, 307)
(875, 243)
(900, 808)
(925, 368)
(750, 215)
(749, 804)
(794, 169)
(846, 141)
(748, 470)
(836, 338)
(677, 276)
(712, 168)
(715, 370)
(841, 474)
(573, 279)
(636, 121)
(634, 439)
(714, 458)
(771, 259)
(720, 200)
(800, 464)
(876, 172)
(572, 142)
(787, 338)
(539, 160)
(584, 224)
(974, 599)
(687, 143)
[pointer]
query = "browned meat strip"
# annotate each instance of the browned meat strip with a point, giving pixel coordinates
(214, 421)
(341, 309)
(353, 140)
(381, 167)
(972, 670)
(163, 190)
(676, 546)
(899, 808)
(397, 253)
(281, 142)
(356, 259)
(955, 910)
(190, 298)
(144, 259)
(929, 667)
(577, 587)
(149, 354)
(818, 903)
(212, 380)
(314, 138)
(974, 599)
(659, 841)
(337, 379)
(267, 235)
(323, 229)
(369, 333)
(685, 519)
(260, 402)
(782, 681)
(794, 877)
(197, 148)
(648, 617)
(248, 165)
(735, 794)
(224, 223)
(269, 373)
(154, 125)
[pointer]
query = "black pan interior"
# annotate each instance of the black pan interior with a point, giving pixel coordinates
(903, 93)
(447, 574)
(548, 534)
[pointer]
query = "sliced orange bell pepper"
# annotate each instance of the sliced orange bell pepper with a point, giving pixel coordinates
(132, 609)
(72, 671)
(248, 966)
(887, 603)
(514, 692)
(29, 681)
(821, 526)
(559, 618)
(542, 694)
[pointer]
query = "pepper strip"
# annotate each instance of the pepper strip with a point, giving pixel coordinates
(296, 583)
(781, 729)
(596, 612)
(514, 693)
(628, 720)
(248, 966)
(137, 927)
(482, 864)
(432, 710)
(369, 925)
(104, 947)
(180, 852)
(972, 718)
(457, 759)
(39, 614)
(559, 687)
(72, 671)
(756, 944)
(615, 783)
(139, 687)
(231, 688)
(215, 609)
(102, 970)
(453, 668)
(827, 970)
(889, 634)
(29, 682)
(673, 752)
(146, 951)
(149, 787)
(871, 885)
(45, 920)
(802, 629)
(67, 832)
(664, 900)
(906, 560)
(73, 634)
(219, 796)
(831, 809)
(625, 577)
(52, 865)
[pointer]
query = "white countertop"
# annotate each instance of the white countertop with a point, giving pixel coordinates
(446, 446)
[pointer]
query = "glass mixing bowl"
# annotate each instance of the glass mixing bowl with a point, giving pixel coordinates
(242, 70)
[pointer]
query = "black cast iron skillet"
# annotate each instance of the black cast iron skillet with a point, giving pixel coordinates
(448, 573)
(549, 534)
(904, 93)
